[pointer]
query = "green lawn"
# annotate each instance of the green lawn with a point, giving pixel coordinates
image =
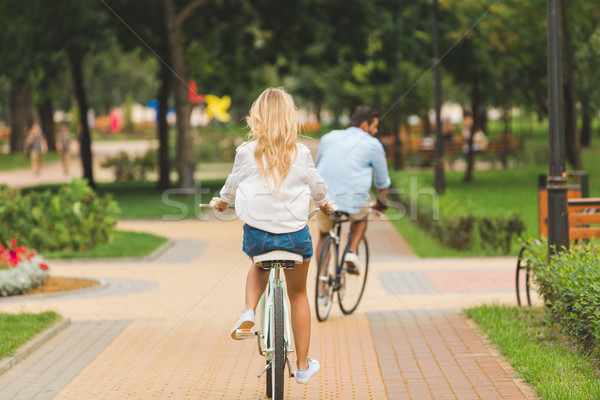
(141, 200)
(20, 160)
(537, 352)
(17, 329)
(124, 244)
(492, 192)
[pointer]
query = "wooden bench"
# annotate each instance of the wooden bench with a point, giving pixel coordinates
(500, 148)
(584, 218)
(452, 151)
(584, 223)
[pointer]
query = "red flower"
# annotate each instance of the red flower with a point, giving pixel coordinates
(44, 266)
(13, 242)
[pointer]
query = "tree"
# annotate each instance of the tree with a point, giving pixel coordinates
(185, 144)
(137, 30)
(83, 27)
(17, 62)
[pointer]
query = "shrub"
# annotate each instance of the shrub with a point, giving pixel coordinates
(458, 227)
(496, 232)
(21, 269)
(570, 287)
(134, 169)
(74, 218)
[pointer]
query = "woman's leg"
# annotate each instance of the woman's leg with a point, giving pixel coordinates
(256, 282)
(296, 288)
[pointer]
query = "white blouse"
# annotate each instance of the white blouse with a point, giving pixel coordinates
(283, 211)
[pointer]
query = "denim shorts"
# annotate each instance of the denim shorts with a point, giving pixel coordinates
(257, 242)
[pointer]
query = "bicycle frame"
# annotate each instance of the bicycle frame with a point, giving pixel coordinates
(336, 233)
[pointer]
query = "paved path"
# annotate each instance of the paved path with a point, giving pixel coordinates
(159, 329)
(404, 341)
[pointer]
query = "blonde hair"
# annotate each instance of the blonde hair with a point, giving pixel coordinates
(274, 122)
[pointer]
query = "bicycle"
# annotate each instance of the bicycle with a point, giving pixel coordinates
(333, 274)
(274, 337)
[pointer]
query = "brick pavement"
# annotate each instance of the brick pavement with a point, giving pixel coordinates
(177, 343)
(407, 339)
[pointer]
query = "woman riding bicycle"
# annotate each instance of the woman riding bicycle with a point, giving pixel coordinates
(271, 185)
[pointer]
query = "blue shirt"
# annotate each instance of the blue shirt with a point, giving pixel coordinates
(348, 160)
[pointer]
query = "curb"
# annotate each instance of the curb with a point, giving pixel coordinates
(149, 258)
(170, 243)
(34, 344)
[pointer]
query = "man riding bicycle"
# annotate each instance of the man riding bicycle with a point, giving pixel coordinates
(350, 161)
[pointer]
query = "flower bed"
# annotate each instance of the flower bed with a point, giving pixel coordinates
(21, 269)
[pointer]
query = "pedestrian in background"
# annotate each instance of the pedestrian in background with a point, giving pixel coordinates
(63, 145)
(37, 146)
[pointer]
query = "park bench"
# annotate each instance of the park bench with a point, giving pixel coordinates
(452, 151)
(584, 223)
(502, 147)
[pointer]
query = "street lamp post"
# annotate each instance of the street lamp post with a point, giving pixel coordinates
(558, 217)
(439, 181)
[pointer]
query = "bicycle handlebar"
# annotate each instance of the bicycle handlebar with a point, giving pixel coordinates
(313, 212)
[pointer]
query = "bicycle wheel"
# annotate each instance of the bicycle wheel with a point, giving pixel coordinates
(352, 285)
(325, 278)
(278, 345)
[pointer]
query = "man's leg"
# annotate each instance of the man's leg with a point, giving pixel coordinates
(357, 232)
(322, 237)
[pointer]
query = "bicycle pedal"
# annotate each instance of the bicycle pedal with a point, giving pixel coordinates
(245, 333)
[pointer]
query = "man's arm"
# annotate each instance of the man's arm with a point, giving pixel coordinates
(379, 162)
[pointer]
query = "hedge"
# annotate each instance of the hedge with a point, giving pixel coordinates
(570, 287)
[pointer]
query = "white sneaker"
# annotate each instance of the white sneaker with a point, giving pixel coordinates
(322, 301)
(354, 263)
(246, 321)
(304, 375)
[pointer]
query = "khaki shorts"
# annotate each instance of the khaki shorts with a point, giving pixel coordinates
(326, 221)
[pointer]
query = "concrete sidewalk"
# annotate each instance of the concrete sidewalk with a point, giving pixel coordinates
(407, 339)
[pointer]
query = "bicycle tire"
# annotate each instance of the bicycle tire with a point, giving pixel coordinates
(352, 286)
(324, 282)
(279, 348)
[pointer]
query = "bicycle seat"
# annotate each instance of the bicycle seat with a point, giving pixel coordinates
(279, 258)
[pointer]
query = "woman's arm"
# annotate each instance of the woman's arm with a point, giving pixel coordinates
(241, 168)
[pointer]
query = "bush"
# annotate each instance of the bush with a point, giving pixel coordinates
(74, 218)
(456, 226)
(496, 232)
(134, 169)
(570, 287)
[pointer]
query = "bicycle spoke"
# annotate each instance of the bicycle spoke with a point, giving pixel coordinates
(325, 278)
(353, 280)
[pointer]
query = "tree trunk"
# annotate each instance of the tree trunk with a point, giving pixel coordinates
(476, 105)
(586, 123)
(185, 143)
(572, 142)
(164, 165)
(46, 111)
(85, 142)
(18, 117)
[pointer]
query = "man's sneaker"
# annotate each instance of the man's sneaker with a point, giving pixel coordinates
(322, 300)
(246, 321)
(354, 263)
(304, 375)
